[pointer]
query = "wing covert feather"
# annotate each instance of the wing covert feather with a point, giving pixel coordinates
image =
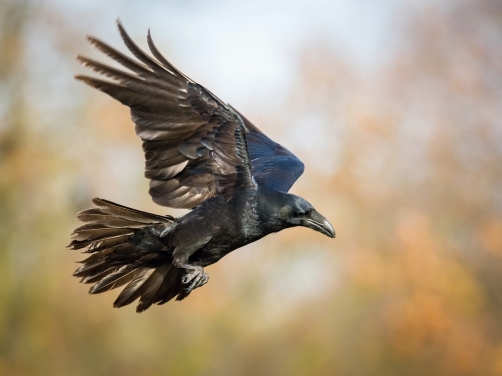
(274, 166)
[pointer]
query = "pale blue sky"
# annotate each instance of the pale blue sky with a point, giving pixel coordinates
(231, 45)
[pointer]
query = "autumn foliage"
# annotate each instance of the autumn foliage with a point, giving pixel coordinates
(405, 160)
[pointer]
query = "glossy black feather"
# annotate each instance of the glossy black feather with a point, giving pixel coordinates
(201, 154)
(176, 118)
(274, 166)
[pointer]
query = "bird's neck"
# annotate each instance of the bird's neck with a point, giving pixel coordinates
(269, 203)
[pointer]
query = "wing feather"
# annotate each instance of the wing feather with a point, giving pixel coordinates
(274, 166)
(195, 145)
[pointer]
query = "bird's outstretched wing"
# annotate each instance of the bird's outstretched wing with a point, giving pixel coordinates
(195, 145)
(274, 166)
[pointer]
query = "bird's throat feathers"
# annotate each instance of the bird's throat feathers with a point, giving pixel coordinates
(273, 208)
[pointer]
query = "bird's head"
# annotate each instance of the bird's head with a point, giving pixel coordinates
(296, 211)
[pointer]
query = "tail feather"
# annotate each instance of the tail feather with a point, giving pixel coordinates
(133, 290)
(97, 232)
(155, 282)
(96, 245)
(124, 252)
(120, 277)
(112, 222)
(98, 275)
(120, 211)
(96, 256)
(166, 292)
(168, 288)
(92, 269)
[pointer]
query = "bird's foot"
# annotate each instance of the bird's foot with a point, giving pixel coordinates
(195, 278)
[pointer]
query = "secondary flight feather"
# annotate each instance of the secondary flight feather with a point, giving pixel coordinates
(200, 154)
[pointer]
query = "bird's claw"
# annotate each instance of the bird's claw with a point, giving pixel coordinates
(196, 278)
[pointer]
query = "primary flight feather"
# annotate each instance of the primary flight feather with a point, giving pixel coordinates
(200, 154)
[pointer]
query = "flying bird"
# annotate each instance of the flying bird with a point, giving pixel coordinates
(200, 154)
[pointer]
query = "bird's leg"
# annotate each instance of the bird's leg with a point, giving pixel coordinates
(194, 275)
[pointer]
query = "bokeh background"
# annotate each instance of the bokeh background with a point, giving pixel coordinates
(394, 106)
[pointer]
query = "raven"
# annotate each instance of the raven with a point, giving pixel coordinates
(201, 154)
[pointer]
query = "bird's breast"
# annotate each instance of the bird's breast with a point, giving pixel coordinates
(235, 224)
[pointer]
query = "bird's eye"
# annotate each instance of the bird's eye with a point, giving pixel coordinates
(301, 213)
(306, 213)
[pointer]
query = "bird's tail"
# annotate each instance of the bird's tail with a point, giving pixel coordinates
(125, 251)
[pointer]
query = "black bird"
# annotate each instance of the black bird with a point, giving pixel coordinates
(201, 154)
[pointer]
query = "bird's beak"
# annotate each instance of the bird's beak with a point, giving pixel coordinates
(318, 223)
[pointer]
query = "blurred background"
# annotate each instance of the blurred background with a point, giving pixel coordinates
(394, 106)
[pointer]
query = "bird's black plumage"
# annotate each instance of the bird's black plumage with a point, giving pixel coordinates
(200, 154)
